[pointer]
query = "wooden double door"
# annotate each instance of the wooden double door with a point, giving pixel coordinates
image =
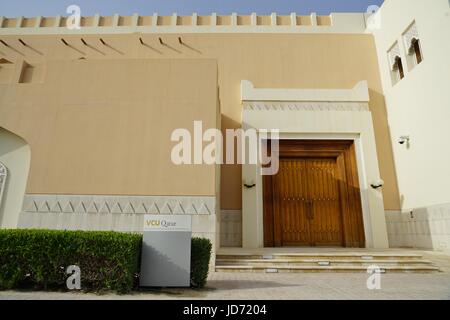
(314, 198)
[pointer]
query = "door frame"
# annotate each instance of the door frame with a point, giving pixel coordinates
(351, 203)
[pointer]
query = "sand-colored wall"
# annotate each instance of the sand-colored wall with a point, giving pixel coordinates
(104, 127)
(268, 60)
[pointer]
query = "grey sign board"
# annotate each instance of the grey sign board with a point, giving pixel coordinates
(166, 251)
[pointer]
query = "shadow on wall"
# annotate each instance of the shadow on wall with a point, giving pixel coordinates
(15, 156)
(231, 174)
(385, 151)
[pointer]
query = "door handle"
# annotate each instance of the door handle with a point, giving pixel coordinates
(309, 210)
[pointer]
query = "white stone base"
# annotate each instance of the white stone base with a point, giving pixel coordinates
(423, 228)
(116, 213)
(231, 228)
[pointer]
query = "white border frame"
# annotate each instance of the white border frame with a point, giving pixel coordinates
(363, 182)
(333, 123)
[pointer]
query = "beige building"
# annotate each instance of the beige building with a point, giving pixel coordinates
(86, 118)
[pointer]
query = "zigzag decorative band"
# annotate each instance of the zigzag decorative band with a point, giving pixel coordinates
(305, 106)
(192, 205)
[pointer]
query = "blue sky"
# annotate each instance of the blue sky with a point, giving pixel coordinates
(11, 8)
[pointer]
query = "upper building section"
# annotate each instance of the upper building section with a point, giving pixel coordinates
(293, 23)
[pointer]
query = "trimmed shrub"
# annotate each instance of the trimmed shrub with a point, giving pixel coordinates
(200, 255)
(107, 260)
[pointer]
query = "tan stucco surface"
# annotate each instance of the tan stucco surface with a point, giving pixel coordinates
(104, 127)
(267, 60)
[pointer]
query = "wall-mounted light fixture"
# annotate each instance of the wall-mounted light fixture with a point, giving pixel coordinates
(404, 139)
(377, 184)
(250, 184)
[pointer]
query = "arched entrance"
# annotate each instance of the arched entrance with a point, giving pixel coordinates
(14, 167)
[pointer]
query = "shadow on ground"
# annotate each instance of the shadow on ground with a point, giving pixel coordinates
(248, 284)
(215, 285)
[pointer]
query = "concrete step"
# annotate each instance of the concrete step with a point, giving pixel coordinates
(323, 256)
(323, 262)
(282, 269)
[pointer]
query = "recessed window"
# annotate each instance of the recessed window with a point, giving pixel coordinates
(413, 46)
(396, 64)
(416, 51)
(398, 68)
(31, 73)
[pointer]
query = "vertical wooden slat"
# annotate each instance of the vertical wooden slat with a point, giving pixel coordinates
(323, 171)
(354, 196)
(277, 204)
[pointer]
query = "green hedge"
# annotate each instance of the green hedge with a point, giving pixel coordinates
(108, 260)
(200, 255)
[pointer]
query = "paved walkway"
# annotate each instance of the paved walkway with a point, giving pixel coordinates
(289, 286)
(283, 286)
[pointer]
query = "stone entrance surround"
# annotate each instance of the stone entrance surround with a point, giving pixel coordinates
(322, 114)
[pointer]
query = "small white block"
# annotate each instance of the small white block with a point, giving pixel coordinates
(253, 19)
(293, 19)
(234, 19)
(96, 21)
(116, 18)
(273, 17)
(155, 20)
(174, 19)
(135, 20)
(313, 19)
